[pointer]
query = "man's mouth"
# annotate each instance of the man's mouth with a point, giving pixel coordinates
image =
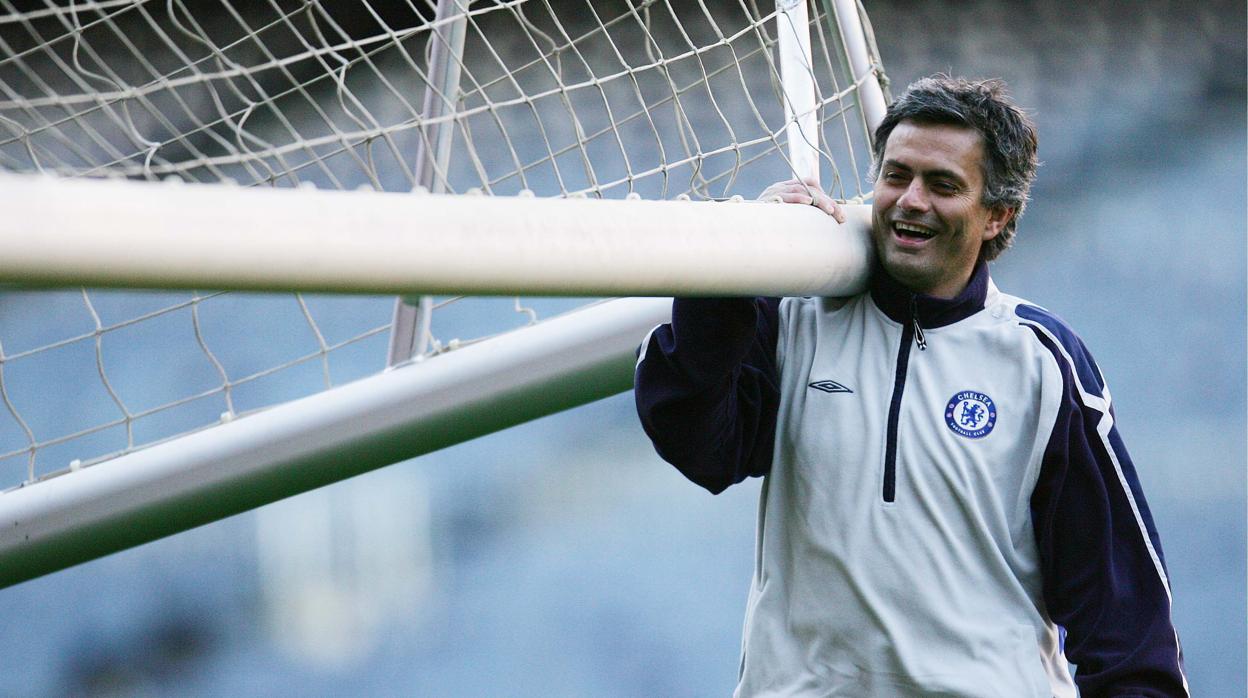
(912, 232)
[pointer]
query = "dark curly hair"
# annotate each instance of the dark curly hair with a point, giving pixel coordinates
(1009, 138)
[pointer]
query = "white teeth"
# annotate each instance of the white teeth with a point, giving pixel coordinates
(923, 232)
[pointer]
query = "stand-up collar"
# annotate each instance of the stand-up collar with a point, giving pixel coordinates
(900, 303)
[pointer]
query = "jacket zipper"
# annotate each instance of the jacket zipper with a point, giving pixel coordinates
(910, 332)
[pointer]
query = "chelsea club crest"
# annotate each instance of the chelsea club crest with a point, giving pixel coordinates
(971, 414)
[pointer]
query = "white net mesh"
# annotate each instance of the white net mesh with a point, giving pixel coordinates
(561, 98)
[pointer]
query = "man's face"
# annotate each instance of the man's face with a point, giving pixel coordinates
(929, 223)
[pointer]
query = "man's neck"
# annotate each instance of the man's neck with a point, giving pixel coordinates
(901, 302)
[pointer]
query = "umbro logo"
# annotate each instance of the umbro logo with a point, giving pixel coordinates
(830, 387)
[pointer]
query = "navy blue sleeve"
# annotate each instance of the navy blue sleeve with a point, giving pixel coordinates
(1105, 579)
(707, 391)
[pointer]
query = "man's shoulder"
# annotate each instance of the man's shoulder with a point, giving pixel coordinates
(1049, 325)
(1057, 336)
(805, 318)
(1026, 312)
(821, 304)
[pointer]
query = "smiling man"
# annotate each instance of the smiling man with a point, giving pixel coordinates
(948, 507)
(930, 221)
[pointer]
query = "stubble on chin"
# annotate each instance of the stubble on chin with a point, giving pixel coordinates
(908, 271)
(906, 267)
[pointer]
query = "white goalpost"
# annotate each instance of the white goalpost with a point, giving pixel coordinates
(59, 233)
(465, 157)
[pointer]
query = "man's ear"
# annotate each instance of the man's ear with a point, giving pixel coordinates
(998, 218)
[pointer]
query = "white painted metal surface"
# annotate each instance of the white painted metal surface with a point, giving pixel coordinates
(798, 79)
(241, 464)
(853, 34)
(134, 234)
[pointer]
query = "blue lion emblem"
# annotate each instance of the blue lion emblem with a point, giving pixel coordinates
(971, 413)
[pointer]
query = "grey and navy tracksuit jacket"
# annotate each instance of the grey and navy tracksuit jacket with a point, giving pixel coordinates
(948, 507)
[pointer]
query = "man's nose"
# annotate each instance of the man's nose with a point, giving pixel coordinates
(914, 198)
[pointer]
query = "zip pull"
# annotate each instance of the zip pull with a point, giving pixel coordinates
(918, 329)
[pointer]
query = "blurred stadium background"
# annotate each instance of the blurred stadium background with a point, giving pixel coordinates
(563, 558)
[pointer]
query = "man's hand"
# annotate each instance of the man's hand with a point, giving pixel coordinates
(795, 191)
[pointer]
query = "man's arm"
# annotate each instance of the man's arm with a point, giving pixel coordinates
(1105, 579)
(707, 388)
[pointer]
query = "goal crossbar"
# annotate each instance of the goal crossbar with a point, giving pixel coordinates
(116, 233)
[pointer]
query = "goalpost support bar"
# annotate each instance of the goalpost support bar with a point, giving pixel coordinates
(863, 65)
(253, 460)
(114, 233)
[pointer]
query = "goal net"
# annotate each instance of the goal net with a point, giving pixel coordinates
(129, 414)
